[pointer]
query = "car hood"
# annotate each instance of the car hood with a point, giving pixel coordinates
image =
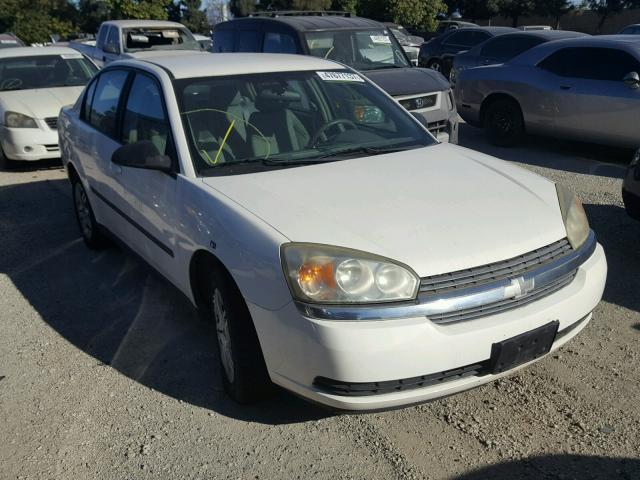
(408, 81)
(437, 209)
(39, 103)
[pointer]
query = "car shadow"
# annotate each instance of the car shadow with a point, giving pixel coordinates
(618, 233)
(116, 309)
(32, 166)
(558, 467)
(576, 157)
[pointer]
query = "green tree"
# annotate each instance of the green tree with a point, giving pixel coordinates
(554, 9)
(605, 8)
(350, 6)
(92, 13)
(193, 17)
(313, 5)
(139, 9)
(416, 13)
(480, 9)
(514, 9)
(242, 8)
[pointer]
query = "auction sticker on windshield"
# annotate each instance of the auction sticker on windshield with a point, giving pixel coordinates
(340, 77)
(383, 39)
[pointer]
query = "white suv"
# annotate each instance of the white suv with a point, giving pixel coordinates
(342, 252)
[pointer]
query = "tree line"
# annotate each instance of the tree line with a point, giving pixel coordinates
(36, 20)
(423, 14)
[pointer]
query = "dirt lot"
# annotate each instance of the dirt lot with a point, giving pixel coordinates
(105, 371)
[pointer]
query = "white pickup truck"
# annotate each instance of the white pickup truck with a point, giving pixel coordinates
(118, 39)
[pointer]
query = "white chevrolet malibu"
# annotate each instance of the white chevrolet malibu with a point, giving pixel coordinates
(342, 252)
(34, 84)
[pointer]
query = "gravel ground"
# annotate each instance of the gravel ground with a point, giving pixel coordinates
(106, 372)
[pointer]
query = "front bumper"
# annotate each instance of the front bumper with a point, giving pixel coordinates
(29, 144)
(441, 118)
(298, 350)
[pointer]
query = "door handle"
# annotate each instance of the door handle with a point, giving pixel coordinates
(565, 87)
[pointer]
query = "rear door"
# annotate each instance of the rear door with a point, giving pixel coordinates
(592, 102)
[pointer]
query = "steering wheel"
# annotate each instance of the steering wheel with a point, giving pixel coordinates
(321, 132)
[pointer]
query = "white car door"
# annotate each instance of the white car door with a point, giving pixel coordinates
(149, 195)
(96, 142)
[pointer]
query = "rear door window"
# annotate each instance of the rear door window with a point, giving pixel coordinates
(249, 41)
(505, 48)
(223, 41)
(591, 63)
(275, 42)
(467, 38)
(104, 108)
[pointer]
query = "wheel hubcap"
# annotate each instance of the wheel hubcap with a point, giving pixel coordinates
(224, 338)
(82, 209)
(435, 66)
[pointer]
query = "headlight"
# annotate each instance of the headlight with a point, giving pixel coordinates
(325, 274)
(573, 215)
(18, 120)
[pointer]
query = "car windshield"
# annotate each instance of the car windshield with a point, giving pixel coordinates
(45, 71)
(142, 39)
(359, 49)
(264, 121)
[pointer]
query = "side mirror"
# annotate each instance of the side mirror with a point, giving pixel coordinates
(142, 154)
(110, 48)
(632, 80)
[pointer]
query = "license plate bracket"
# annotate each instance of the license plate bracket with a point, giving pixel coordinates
(522, 348)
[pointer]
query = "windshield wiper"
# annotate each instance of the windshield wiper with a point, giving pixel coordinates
(367, 150)
(270, 162)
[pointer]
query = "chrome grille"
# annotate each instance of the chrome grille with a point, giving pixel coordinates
(504, 305)
(513, 267)
(52, 122)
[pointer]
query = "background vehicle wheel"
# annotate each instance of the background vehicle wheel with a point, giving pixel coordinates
(503, 122)
(435, 65)
(5, 163)
(89, 228)
(631, 205)
(244, 373)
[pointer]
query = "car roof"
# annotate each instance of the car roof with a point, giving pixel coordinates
(307, 23)
(35, 51)
(185, 64)
(548, 35)
(144, 23)
(492, 30)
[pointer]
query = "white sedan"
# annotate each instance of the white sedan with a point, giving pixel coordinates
(342, 252)
(34, 84)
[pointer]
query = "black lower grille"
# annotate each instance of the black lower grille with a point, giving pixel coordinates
(361, 389)
(440, 126)
(52, 122)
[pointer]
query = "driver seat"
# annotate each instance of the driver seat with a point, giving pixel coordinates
(280, 129)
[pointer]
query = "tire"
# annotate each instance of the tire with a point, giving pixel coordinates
(244, 373)
(5, 163)
(89, 228)
(631, 204)
(503, 122)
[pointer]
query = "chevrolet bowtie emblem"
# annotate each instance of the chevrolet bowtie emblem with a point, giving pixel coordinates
(519, 287)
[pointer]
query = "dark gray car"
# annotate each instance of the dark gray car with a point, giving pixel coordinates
(503, 48)
(585, 89)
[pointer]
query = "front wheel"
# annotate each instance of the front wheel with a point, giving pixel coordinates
(244, 373)
(503, 123)
(89, 228)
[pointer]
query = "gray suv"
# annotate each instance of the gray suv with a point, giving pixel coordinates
(359, 43)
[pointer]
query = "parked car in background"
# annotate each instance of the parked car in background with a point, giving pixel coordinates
(503, 48)
(410, 43)
(584, 88)
(205, 42)
(34, 84)
(631, 187)
(631, 30)
(438, 53)
(446, 25)
(359, 43)
(10, 40)
(119, 39)
(341, 252)
(528, 28)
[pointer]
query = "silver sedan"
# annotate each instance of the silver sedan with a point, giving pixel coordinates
(585, 89)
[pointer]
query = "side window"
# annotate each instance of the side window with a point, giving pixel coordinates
(607, 64)
(279, 43)
(102, 36)
(88, 99)
(248, 41)
(112, 38)
(508, 47)
(104, 107)
(223, 41)
(462, 39)
(144, 117)
(477, 38)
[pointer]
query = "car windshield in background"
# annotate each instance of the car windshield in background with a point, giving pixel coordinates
(141, 39)
(268, 121)
(359, 49)
(45, 71)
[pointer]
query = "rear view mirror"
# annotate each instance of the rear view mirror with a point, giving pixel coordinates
(632, 80)
(142, 154)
